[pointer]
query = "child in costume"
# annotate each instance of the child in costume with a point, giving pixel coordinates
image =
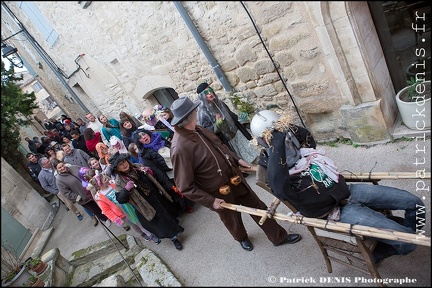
(104, 194)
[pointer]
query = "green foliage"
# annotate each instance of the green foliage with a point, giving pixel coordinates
(246, 109)
(403, 139)
(16, 110)
(242, 106)
(31, 280)
(336, 142)
(331, 143)
(12, 264)
(10, 275)
(33, 262)
(411, 93)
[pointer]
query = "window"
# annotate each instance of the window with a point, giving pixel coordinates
(39, 20)
(37, 87)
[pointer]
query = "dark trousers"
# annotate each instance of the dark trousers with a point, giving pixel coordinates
(93, 207)
(234, 223)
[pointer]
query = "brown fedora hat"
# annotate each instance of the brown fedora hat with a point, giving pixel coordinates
(181, 108)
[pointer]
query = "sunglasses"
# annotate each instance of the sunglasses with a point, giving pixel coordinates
(208, 91)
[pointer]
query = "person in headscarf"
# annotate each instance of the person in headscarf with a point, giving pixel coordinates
(157, 211)
(152, 149)
(215, 115)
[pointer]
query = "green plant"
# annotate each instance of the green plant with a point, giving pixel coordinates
(246, 109)
(11, 263)
(16, 111)
(33, 262)
(411, 93)
(404, 139)
(335, 143)
(31, 280)
(242, 106)
(11, 274)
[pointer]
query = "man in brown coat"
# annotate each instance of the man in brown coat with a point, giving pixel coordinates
(205, 170)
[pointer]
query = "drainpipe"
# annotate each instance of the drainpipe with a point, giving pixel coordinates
(215, 66)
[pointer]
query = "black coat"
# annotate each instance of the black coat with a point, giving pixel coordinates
(80, 143)
(153, 159)
(311, 200)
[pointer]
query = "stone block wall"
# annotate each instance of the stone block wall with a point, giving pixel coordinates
(135, 48)
(21, 201)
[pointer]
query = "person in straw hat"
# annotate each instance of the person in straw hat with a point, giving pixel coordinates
(311, 182)
(208, 173)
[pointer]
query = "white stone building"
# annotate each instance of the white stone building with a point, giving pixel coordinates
(327, 61)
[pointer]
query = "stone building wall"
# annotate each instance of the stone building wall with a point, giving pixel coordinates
(21, 201)
(327, 54)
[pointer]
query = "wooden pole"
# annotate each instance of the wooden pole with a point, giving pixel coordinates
(336, 226)
(384, 175)
(275, 203)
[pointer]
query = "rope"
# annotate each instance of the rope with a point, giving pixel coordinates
(350, 229)
(325, 226)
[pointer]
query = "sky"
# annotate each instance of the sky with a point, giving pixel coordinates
(7, 64)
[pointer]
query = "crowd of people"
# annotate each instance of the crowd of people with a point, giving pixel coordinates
(117, 170)
(76, 160)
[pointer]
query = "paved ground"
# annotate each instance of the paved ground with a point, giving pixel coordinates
(212, 258)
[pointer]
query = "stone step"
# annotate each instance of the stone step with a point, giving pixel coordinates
(97, 270)
(96, 251)
(123, 278)
(153, 270)
(102, 265)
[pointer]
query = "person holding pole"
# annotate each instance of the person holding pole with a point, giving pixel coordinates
(310, 181)
(208, 172)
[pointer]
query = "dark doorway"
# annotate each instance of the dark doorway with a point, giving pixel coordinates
(165, 96)
(404, 30)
